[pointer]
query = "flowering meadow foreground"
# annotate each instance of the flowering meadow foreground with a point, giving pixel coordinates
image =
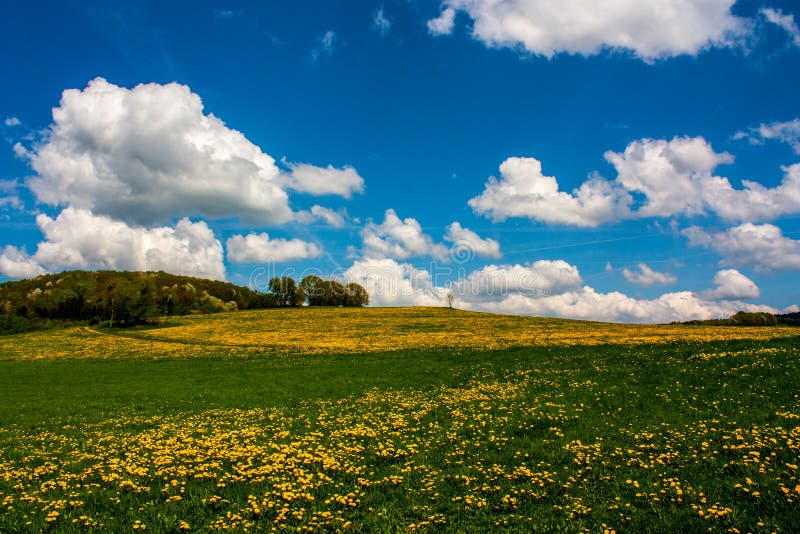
(413, 419)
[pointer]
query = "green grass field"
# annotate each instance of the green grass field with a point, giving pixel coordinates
(400, 420)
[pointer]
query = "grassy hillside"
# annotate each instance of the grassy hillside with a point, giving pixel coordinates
(400, 419)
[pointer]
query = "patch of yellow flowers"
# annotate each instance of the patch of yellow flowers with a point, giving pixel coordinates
(324, 465)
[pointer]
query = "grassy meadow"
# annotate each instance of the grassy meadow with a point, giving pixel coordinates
(409, 419)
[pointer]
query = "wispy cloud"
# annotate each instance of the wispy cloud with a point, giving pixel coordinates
(324, 46)
(646, 276)
(380, 22)
(786, 22)
(224, 13)
(786, 132)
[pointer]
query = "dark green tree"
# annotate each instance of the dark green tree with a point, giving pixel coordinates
(753, 319)
(133, 302)
(284, 290)
(311, 286)
(356, 295)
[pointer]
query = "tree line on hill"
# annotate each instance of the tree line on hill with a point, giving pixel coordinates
(130, 298)
(753, 319)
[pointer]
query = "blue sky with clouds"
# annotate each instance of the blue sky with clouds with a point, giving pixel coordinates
(619, 160)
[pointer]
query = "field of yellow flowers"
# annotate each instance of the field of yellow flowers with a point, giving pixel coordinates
(353, 331)
(400, 420)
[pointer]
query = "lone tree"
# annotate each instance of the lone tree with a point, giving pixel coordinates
(450, 300)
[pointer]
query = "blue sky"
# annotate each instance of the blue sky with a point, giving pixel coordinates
(659, 114)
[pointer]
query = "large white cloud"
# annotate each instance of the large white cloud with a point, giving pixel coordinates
(761, 247)
(148, 154)
(78, 239)
(731, 285)
(524, 191)
(648, 29)
(670, 174)
(259, 248)
(646, 276)
(672, 177)
(544, 288)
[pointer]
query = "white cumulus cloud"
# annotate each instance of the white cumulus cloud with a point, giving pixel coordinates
(78, 239)
(468, 243)
(754, 202)
(543, 288)
(646, 276)
(12, 121)
(524, 191)
(148, 154)
(761, 247)
(649, 30)
(259, 248)
(318, 181)
(538, 279)
(671, 177)
(390, 283)
(670, 174)
(589, 304)
(399, 239)
(731, 285)
(16, 263)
